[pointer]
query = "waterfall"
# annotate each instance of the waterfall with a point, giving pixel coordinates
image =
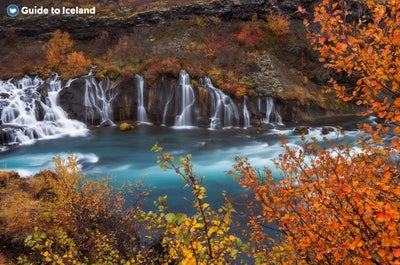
(25, 117)
(141, 110)
(97, 100)
(224, 112)
(165, 110)
(185, 101)
(246, 114)
(266, 107)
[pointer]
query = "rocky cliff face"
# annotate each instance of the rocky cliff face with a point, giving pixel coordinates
(97, 103)
(81, 27)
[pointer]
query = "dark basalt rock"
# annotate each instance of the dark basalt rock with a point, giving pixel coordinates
(72, 101)
(106, 123)
(6, 132)
(301, 130)
(327, 130)
(158, 98)
(124, 104)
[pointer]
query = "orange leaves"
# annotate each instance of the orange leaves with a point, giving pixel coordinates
(58, 48)
(62, 58)
(339, 207)
(396, 252)
(76, 64)
(361, 49)
(279, 24)
(341, 47)
(356, 243)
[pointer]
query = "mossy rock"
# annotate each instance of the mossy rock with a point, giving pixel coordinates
(125, 126)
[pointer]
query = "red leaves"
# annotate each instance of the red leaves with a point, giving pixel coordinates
(250, 34)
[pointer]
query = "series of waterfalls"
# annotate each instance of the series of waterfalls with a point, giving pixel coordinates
(30, 107)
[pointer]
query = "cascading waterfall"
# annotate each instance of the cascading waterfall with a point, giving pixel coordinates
(224, 112)
(266, 107)
(141, 110)
(24, 117)
(246, 114)
(185, 101)
(30, 109)
(97, 100)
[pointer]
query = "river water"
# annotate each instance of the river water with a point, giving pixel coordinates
(35, 129)
(126, 156)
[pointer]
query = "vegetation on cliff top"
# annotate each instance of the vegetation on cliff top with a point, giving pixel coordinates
(228, 52)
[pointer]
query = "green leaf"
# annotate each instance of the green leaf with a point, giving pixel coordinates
(169, 217)
(180, 218)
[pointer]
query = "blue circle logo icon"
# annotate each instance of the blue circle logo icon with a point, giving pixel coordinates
(12, 10)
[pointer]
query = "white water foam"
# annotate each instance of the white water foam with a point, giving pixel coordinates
(26, 117)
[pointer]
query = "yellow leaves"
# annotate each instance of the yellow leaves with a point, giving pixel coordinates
(202, 238)
(240, 92)
(196, 226)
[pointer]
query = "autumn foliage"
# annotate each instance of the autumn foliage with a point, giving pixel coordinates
(58, 48)
(62, 58)
(333, 206)
(59, 212)
(338, 204)
(364, 47)
(279, 24)
(250, 34)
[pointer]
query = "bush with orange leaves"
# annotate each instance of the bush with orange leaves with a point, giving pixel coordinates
(366, 49)
(62, 58)
(339, 205)
(332, 206)
(279, 24)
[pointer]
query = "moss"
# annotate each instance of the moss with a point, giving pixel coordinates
(125, 126)
(194, 83)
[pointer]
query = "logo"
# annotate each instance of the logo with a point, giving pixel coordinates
(12, 10)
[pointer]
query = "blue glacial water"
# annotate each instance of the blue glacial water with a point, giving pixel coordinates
(126, 156)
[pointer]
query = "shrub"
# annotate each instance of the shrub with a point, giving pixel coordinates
(76, 65)
(250, 34)
(279, 24)
(59, 46)
(69, 211)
